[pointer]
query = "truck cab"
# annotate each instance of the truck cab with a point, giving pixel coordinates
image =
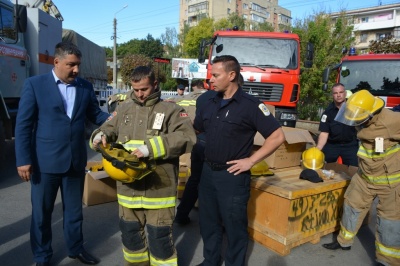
(270, 66)
(377, 73)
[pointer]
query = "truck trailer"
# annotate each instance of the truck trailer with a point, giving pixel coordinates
(28, 36)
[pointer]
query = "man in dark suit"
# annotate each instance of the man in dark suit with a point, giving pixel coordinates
(51, 150)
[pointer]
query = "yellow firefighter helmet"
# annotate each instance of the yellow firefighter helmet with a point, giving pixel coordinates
(313, 158)
(358, 108)
(261, 169)
(122, 166)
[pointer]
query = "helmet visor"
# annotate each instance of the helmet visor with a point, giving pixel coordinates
(352, 115)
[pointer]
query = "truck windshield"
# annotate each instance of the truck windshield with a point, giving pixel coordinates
(260, 52)
(6, 24)
(381, 78)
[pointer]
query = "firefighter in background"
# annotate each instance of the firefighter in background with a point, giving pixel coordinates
(336, 139)
(115, 99)
(378, 176)
(190, 194)
(160, 131)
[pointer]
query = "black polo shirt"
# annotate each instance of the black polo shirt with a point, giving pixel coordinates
(230, 129)
(337, 132)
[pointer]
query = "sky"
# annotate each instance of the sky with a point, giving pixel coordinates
(94, 19)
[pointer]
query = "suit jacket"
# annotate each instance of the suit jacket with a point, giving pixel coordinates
(45, 136)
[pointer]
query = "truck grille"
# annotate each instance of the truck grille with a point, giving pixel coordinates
(264, 91)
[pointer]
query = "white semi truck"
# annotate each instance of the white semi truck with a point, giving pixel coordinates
(28, 35)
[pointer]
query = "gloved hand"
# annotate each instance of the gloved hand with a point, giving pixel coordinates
(144, 150)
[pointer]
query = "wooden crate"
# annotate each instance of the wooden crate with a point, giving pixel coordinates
(285, 211)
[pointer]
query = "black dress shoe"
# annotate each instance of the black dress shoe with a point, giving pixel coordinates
(42, 264)
(86, 258)
(335, 245)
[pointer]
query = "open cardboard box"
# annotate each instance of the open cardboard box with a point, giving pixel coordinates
(99, 187)
(289, 153)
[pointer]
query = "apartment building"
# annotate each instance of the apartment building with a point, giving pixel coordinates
(255, 11)
(373, 23)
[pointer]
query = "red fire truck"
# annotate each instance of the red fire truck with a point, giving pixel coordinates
(378, 73)
(270, 66)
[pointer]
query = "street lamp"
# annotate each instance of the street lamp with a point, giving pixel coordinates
(115, 47)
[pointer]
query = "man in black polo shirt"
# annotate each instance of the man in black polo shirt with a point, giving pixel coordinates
(337, 139)
(230, 123)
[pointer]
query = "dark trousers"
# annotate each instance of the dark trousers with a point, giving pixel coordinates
(190, 194)
(348, 152)
(44, 188)
(223, 201)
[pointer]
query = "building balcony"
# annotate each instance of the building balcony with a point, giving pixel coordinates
(376, 25)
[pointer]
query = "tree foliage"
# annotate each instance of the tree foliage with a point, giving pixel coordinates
(130, 62)
(203, 30)
(328, 38)
(171, 43)
(386, 45)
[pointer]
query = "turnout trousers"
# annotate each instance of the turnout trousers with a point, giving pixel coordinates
(223, 201)
(155, 248)
(358, 199)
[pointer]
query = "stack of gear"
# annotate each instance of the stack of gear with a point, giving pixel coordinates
(261, 169)
(122, 166)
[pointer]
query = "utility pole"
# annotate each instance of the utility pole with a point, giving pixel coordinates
(115, 63)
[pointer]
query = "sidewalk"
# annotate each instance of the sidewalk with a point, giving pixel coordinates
(102, 236)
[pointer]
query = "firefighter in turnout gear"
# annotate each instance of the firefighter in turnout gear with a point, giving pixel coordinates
(115, 99)
(378, 176)
(156, 130)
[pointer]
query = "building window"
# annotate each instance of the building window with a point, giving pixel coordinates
(245, 6)
(364, 20)
(228, 11)
(257, 18)
(363, 37)
(258, 8)
(381, 35)
(229, 1)
(198, 7)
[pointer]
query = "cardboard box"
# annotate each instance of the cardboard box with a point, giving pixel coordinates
(285, 211)
(99, 188)
(289, 153)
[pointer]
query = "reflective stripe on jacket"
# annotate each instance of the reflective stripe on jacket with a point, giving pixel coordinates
(167, 139)
(380, 168)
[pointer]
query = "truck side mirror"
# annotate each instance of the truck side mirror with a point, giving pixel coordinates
(20, 18)
(325, 75)
(202, 46)
(310, 51)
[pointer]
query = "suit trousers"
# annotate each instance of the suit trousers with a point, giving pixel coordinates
(44, 189)
(223, 201)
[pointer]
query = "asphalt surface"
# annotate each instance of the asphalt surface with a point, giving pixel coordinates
(102, 236)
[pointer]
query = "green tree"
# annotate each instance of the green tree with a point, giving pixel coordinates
(171, 43)
(265, 26)
(328, 37)
(386, 45)
(130, 62)
(204, 30)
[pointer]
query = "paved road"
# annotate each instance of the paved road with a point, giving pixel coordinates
(103, 238)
